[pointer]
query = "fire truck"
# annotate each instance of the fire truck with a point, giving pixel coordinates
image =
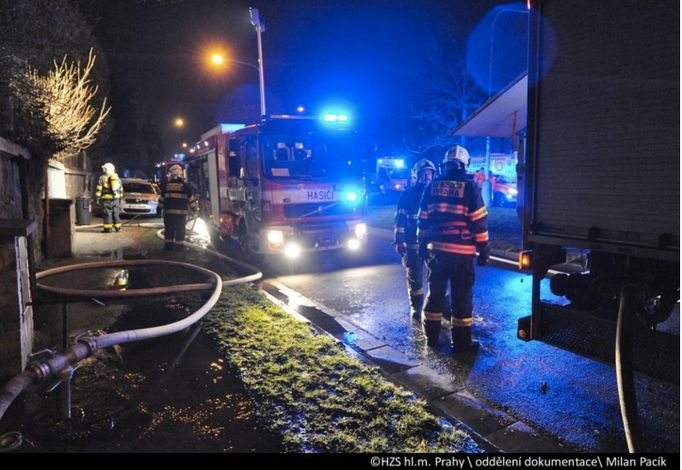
(601, 175)
(285, 186)
(390, 175)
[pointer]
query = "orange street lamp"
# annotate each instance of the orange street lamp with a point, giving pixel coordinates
(179, 122)
(217, 58)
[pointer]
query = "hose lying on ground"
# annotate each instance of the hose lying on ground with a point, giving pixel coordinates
(86, 346)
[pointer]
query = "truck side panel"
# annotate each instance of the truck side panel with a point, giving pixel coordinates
(604, 136)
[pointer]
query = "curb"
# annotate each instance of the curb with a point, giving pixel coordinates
(491, 429)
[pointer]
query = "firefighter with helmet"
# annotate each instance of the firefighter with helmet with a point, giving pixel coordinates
(176, 199)
(453, 224)
(108, 193)
(405, 241)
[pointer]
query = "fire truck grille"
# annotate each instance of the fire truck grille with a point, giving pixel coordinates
(294, 211)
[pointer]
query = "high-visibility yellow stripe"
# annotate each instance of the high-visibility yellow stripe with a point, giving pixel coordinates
(478, 214)
(452, 248)
(175, 187)
(454, 231)
(481, 237)
(176, 196)
(411, 246)
(418, 292)
(449, 208)
(400, 230)
(433, 316)
(107, 225)
(176, 211)
(401, 211)
(462, 322)
(454, 223)
(108, 196)
(423, 215)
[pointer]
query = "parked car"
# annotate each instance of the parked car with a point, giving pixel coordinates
(504, 191)
(139, 198)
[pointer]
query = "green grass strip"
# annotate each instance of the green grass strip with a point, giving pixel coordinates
(314, 394)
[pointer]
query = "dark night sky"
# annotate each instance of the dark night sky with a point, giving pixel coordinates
(367, 54)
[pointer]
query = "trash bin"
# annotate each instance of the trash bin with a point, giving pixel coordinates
(83, 210)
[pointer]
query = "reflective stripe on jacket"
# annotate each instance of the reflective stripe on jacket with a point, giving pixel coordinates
(109, 187)
(176, 197)
(452, 216)
(406, 215)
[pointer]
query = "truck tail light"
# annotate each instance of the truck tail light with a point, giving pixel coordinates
(525, 260)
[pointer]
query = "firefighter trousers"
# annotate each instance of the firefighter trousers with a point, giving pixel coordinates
(457, 271)
(174, 229)
(414, 267)
(112, 214)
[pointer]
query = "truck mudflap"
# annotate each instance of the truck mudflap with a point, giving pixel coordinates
(655, 353)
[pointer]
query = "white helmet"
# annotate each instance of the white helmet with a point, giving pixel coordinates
(457, 154)
(422, 165)
(108, 168)
(175, 171)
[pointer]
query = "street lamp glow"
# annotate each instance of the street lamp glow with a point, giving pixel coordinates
(179, 122)
(217, 58)
(184, 145)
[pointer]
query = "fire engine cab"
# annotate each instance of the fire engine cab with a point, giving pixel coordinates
(287, 185)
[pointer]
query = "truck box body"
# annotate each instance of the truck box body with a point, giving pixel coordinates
(603, 129)
(601, 175)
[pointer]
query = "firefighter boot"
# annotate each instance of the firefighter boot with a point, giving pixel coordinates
(168, 246)
(431, 331)
(461, 339)
(416, 304)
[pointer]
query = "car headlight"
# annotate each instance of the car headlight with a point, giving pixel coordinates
(275, 237)
(360, 230)
(292, 251)
(354, 244)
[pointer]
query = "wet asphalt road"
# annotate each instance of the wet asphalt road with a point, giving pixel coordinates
(569, 396)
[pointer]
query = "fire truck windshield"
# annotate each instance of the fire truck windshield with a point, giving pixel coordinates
(310, 157)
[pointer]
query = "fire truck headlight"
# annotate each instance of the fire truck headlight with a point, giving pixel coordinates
(354, 244)
(352, 196)
(513, 191)
(200, 229)
(397, 186)
(275, 237)
(360, 231)
(400, 163)
(292, 251)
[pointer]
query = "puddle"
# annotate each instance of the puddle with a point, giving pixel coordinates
(171, 394)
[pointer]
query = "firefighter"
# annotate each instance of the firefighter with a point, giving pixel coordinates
(176, 199)
(453, 223)
(405, 241)
(109, 193)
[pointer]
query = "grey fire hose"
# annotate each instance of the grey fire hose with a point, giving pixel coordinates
(630, 298)
(86, 346)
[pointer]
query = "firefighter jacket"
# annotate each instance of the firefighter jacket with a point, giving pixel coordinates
(406, 216)
(452, 216)
(176, 197)
(109, 187)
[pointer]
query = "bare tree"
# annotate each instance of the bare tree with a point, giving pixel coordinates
(448, 95)
(61, 104)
